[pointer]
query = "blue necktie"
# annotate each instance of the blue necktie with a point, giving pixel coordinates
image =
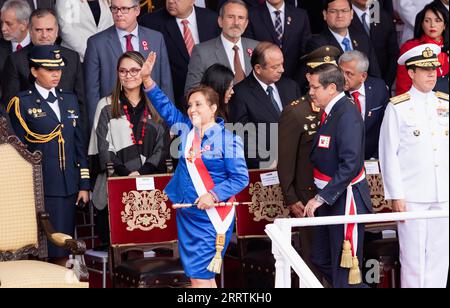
(346, 43)
(365, 25)
(272, 99)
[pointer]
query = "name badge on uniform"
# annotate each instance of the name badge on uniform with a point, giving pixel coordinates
(324, 142)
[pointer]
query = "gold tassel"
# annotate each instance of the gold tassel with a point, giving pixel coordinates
(216, 263)
(346, 258)
(354, 276)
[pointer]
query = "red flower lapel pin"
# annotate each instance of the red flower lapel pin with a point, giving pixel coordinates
(250, 52)
(145, 45)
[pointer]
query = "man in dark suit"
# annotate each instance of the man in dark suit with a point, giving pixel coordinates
(338, 158)
(338, 15)
(180, 21)
(383, 35)
(284, 25)
(260, 99)
(369, 94)
(298, 125)
(16, 74)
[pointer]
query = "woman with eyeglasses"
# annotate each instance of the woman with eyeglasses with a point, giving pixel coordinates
(431, 27)
(127, 132)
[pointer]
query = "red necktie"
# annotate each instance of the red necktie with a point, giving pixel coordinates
(19, 47)
(322, 120)
(129, 45)
(356, 95)
(187, 36)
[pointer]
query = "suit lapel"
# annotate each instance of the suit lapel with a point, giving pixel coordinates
(333, 40)
(267, 21)
(262, 97)
(202, 25)
(247, 57)
(221, 55)
(114, 42)
(283, 93)
(174, 32)
(287, 24)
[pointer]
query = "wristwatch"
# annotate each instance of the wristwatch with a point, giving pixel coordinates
(319, 199)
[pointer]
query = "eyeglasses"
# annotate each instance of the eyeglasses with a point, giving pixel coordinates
(335, 12)
(123, 72)
(123, 10)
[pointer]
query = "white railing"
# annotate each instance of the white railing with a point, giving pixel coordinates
(286, 257)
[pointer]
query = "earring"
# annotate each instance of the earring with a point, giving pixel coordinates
(121, 87)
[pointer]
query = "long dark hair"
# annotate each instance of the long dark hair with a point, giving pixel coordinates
(219, 78)
(118, 91)
(438, 11)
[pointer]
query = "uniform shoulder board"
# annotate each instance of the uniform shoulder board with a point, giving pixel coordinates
(442, 95)
(400, 98)
(295, 103)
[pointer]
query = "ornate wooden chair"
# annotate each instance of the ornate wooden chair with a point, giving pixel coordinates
(141, 219)
(24, 225)
(384, 249)
(252, 248)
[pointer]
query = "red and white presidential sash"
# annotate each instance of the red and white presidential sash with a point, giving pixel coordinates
(221, 217)
(350, 230)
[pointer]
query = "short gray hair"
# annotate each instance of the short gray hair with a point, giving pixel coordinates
(240, 2)
(20, 7)
(134, 2)
(358, 56)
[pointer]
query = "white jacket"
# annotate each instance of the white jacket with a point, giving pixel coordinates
(77, 24)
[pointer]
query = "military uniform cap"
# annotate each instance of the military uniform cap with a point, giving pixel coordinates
(47, 56)
(425, 56)
(322, 55)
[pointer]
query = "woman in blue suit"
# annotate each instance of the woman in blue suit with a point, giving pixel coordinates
(211, 169)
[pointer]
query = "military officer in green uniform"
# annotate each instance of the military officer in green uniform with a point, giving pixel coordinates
(298, 124)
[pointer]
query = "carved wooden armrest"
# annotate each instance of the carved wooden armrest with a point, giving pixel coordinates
(76, 247)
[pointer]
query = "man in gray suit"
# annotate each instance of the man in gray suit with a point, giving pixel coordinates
(229, 49)
(105, 48)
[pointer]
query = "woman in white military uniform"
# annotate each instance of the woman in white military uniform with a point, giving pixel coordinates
(414, 157)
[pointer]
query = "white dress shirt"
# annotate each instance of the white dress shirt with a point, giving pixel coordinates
(134, 39)
(340, 38)
(276, 94)
(230, 52)
(192, 26)
(45, 93)
(272, 11)
(25, 42)
(362, 99)
(333, 102)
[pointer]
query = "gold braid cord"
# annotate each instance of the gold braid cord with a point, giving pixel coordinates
(39, 138)
(148, 3)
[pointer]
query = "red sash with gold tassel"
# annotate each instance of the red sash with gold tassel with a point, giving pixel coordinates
(349, 257)
(221, 217)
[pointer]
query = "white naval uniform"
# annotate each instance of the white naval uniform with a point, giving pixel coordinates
(414, 158)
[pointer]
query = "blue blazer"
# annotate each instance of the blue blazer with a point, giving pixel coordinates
(343, 160)
(100, 62)
(377, 98)
(57, 182)
(223, 156)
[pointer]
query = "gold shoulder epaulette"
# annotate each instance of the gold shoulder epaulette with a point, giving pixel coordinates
(295, 103)
(442, 95)
(400, 98)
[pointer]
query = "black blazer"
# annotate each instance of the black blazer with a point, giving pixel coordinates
(16, 76)
(179, 58)
(342, 158)
(5, 51)
(251, 104)
(383, 37)
(377, 98)
(359, 41)
(41, 4)
(296, 33)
